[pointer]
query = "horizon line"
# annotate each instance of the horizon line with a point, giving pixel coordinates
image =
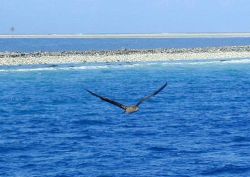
(132, 35)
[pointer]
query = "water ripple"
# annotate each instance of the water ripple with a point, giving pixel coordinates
(227, 169)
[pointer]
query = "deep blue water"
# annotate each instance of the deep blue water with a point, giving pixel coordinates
(58, 45)
(198, 126)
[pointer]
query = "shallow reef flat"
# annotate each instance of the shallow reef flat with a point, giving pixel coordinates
(17, 58)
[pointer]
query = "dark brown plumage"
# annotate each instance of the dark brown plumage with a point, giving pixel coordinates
(129, 109)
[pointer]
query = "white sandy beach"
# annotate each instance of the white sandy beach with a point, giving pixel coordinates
(12, 59)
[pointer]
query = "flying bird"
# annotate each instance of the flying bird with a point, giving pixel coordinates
(128, 109)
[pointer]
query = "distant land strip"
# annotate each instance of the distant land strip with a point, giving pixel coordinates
(19, 58)
(160, 35)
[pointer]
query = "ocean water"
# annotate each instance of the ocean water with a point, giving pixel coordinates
(198, 126)
(59, 45)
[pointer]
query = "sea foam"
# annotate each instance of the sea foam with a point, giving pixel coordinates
(71, 67)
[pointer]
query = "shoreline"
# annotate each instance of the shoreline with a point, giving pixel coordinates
(17, 58)
(120, 36)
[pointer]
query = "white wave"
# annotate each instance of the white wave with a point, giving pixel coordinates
(129, 65)
(26, 69)
(63, 68)
(238, 61)
(204, 62)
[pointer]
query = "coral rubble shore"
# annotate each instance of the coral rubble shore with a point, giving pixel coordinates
(17, 58)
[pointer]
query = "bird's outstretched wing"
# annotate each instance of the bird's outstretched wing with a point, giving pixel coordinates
(153, 94)
(108, 100)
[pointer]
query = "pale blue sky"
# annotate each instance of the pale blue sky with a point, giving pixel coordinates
(123, 16)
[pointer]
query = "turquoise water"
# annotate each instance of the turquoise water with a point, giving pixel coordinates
(198, 126)
(55, 45)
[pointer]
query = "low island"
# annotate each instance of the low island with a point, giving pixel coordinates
(17, 58)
